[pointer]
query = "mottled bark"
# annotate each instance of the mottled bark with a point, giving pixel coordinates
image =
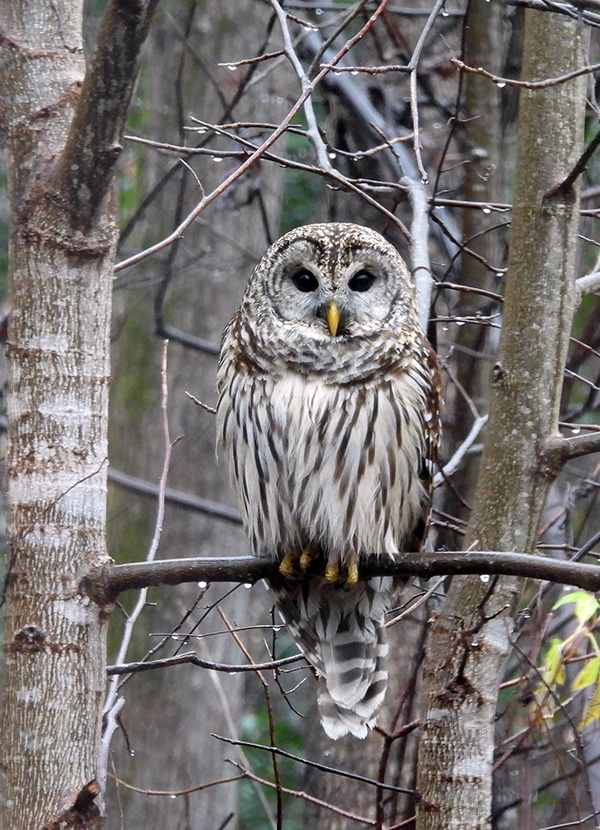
(60, 281)
(470, 637)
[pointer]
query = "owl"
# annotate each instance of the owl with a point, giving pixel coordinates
(328, 411)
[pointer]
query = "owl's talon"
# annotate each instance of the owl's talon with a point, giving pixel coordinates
(332, 573)
(287, 566)
(307, 558)
(352, 578)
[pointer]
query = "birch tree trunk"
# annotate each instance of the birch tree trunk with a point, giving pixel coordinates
(470, 637)
(61, 138)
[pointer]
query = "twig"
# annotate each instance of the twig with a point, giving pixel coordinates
(112, 701)
(191, 658)
(454, 463)
(201, 404)
(416, 604)
(333, 770)
(175, 793)
(566, 185)
(246, 165)
(299, 794)
(175, 497)
(478, 70)
(249, 61)
(269, 702)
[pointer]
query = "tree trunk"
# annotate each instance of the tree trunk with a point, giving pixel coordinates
(470, 637)
(62, 134)
(58, 331)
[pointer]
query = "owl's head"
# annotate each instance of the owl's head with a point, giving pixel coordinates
(332, 281)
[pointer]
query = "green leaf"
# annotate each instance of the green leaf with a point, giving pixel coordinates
(588, 674)
(553, 671)
(586, 604)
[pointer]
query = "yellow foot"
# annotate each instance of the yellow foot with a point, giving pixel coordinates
(307, 558)
(332, 573)
(352, 578)
(287, 566)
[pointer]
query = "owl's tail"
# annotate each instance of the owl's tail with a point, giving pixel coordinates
(340, 631)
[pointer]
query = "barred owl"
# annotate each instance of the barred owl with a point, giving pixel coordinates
(328, 414)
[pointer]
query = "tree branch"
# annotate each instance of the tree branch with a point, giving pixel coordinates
(176, 497)
(85, 170)
(560, 450)
(192, 658)
(590, 284)
(105, 583)
(419, 250)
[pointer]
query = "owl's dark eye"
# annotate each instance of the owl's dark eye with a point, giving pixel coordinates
(305, 281)
(361, 281)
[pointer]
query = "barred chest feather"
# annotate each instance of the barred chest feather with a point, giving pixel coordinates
(334, 467)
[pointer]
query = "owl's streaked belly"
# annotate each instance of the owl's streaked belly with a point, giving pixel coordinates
(332, 467)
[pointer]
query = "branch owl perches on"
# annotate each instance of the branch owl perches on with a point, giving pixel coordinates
(328, 411)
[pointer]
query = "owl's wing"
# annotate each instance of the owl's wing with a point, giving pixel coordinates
(432, 433)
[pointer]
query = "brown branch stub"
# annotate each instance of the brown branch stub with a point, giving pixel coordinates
(104, 584)
(564, 190)
(85, 170)
(83, 815)
(559, 450)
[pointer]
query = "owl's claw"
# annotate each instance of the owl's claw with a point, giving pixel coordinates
(352, 578)
(347, 576)
(307, 558)
(287, 566)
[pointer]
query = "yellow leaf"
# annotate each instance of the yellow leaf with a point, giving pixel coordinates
(588, 674)
(593, 710)
(586, 604)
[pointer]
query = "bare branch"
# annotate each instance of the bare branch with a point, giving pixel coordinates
(176, 497)
(248, 163)
(322, 767)
(337, 810)
(547, 82)
(590, 284)
(572, 10)
(191, 658)
(85, 170)
(566, 185)
(314, 136)
(113, 702)
(460, 453)
(560, 450)
(105, 583)
(174, 793)
(419, 250)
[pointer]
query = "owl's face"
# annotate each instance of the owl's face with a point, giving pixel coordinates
(332, 281)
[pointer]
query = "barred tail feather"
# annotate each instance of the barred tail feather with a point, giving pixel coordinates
(340, 632)
(340, 712)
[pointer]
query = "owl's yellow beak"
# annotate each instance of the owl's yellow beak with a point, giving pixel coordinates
(333, 317)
